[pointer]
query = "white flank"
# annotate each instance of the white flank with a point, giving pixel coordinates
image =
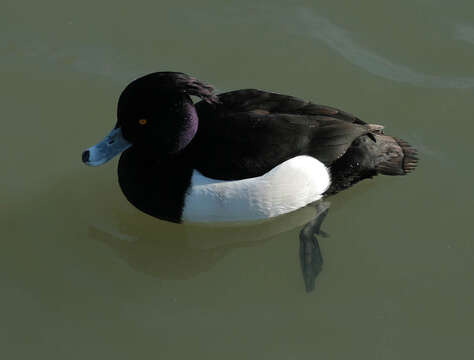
(289, 186)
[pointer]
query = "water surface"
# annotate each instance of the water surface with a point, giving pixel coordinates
(85, 275)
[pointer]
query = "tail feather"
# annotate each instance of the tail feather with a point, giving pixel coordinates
(394, 156)
(370, 155)
(410, 159)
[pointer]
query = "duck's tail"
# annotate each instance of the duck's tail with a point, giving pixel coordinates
(372, 154)
(394, 156)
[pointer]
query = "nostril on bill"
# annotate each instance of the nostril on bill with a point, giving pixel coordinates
(85, 156)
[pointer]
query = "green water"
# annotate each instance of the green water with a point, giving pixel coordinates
(86, 276)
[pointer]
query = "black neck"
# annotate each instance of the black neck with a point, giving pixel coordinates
(155, 186)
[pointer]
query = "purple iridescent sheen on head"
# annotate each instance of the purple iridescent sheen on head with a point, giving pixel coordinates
(190, 126)
(163, 99)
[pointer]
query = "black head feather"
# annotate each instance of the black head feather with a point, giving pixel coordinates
(168, 81)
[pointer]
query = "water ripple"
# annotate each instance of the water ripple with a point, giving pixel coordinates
(464, 32)
(340, 41)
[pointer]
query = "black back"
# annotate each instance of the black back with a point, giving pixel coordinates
(249, 132)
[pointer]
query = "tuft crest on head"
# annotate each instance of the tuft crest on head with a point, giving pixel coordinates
(176, 81)
(193, 86)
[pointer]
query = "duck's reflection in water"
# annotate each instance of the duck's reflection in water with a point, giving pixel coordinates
(183, 251)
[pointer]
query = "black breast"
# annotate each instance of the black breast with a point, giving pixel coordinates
(155, 186)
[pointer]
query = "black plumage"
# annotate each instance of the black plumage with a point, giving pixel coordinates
(246, 133)
(233, 136)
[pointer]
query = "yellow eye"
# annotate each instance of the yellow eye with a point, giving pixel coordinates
(142, 121)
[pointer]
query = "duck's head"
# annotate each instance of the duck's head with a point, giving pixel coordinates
(155, 114)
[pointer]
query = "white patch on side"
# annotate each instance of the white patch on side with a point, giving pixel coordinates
(287, 187)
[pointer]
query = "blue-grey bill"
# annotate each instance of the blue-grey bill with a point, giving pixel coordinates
(112, 145)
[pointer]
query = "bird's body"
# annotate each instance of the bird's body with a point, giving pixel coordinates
(241, 155)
